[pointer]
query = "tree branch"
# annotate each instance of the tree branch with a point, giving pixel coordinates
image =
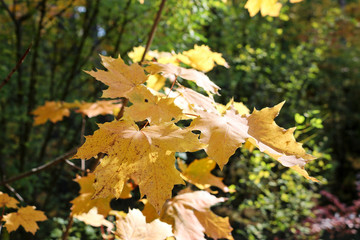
(42, 167)
(6, 80)
(153, 29)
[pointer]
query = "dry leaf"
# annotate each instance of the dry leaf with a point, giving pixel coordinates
(134, 227)
(53, 111)
(26, 217)
(146, 155)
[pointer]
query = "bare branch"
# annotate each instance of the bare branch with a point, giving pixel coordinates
(153, 29)
(6, 80)
(42, 167)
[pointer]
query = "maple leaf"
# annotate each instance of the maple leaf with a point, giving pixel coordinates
(53, 111)
(7, 201)
(94, 219)
(191, 217)
(295, 1)
(154, 108)
(202, 58)
(259, 128)
(26, 217)
(156, 82)
(267, 7)
(83, 203)
(134, 227)
(189, 74)
(120, 78)
(193, 101)
(238, 106)
(146, 155)
(199, 173)
(136, 54)
(98, 108)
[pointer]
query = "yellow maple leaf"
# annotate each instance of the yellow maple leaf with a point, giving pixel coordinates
(134, 227)
(53, 111)
(238, 106)
(191, 217)
(7, 201)
(98, 108)
(259, 128)
(152, 107)
(146, 155)
(202, 58)
(83, 203)
(295, 1)
(156, 82)
(120, 78)
(26, 217)
(266, 7)
(136, 54)
(171, 71)
(199, 173)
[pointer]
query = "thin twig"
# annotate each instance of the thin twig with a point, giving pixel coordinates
(6, 80)
(74, 166)
(68, 226)
(18, 196)
(42, 167)
(153, 29)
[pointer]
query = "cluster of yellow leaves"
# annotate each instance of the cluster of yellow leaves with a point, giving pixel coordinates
(147, 155)
(56, 111)
(266, 7)
(24, 216)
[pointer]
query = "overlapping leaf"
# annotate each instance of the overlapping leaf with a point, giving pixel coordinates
(146, 155)
(83, 203)
(259, 127)
(189, 74)
(120, 78)
(202, 58)
(199, 173)
(191, 217)
(154, 108)
(134, 227)
(98, 108)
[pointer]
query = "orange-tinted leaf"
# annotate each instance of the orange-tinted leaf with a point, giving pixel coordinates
(191, 217)
(149, 211)
(146, 155)
(259, 128)
(134, 227)
(120, 78)
(98, 108)
(7, 201)
(26, 217)
(53, 111)
(189, 74)
(154, 108)
(83, 203)
(199, 174)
